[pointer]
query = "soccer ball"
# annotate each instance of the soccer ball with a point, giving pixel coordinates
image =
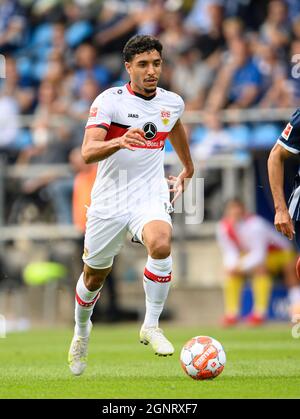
(202, 357)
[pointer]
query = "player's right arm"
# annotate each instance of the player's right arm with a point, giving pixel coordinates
(230, 252)
(95, 148)
(102, 114)
(287, 145)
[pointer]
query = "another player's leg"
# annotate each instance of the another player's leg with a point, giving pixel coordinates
(262, 287)
(294, 288)
(157, 277)
(232, 298)
(293, 283)
(87, 293)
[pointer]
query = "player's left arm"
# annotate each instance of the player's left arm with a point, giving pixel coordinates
(179, 141)
(282, 221)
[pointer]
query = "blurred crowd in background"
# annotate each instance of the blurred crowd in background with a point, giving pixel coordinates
(218, 54)
(57, 56)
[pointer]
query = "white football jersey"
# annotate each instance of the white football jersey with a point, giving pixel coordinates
(130, 178)
(248, 242)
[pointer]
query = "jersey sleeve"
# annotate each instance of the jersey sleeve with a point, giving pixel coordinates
(290, 136)
(230, 253)
(181, 106)
(101, 112)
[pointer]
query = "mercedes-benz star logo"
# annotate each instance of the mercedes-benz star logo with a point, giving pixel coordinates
(150, 130)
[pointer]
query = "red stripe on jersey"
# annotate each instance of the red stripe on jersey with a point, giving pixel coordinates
(105, 125)
(231, 233)
(84, 303)
(157, 278)
(130, 89)
(102, 124)
(157, 142)
(115, 131)
(274, 248)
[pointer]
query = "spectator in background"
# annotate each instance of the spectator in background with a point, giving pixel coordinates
(59, 47)
(252, 247)
(79, 109)
(216, 138)
(149, 16)
(275, 30)
(173, 35)
(233, 29)
(114, 26)
(293, 81)
(69, 196)
(62, 77)
(88, 67)
(238, 82)
(79, 28)
(51, 142)
(212, 40)
(293, 9)
(199, 20)
(296, 29)
(192, 77)
(83, 183)
(16, 99)
(274, 73)
(12, 26)
(9, 122)
(21, 89)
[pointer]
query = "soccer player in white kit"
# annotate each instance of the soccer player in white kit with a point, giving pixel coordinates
(251, 247)
(126, 132)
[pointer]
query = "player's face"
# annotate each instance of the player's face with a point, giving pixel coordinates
(235, 212)
(144, 71)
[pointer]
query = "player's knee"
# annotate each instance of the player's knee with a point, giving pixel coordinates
(94, 279)
(160, 249)
(232, 273)
(260, 270)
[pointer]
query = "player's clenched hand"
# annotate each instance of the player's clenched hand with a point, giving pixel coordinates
(178, 184)
(284, 224)
(133, 137)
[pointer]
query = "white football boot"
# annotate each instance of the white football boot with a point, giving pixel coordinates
(78, 353)
(157, 340)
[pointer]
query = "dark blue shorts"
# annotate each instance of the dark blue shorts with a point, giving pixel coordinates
(297, 235)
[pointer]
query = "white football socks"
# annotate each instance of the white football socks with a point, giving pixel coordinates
(157, 277)
(84, 305)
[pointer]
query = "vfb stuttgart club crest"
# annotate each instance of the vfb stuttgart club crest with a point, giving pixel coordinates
(150, 130)
(165, 116)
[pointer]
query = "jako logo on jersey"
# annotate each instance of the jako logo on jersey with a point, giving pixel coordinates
(287, 131)
(165, 116)
(150, 130)
(133, 115)
(93, 112)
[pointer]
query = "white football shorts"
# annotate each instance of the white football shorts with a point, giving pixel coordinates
(104, 237)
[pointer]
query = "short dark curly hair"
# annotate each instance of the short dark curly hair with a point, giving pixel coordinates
(139, 44)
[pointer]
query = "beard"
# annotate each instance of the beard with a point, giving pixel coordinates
(152, 90)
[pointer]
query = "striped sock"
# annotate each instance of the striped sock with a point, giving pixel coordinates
(157, 279)
(84, 305)
(232, 295)
(262, 287)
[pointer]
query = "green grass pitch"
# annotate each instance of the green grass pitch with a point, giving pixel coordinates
(261, 363)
